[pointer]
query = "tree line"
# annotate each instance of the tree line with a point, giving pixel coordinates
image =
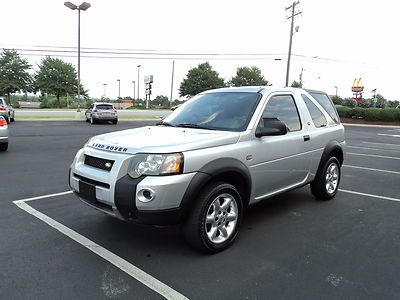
(53, 76)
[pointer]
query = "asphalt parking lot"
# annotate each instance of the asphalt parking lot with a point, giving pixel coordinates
(289, 247)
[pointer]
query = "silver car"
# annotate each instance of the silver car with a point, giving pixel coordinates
(98, 112)
(218, 153)
(3, 134)
(7, 111)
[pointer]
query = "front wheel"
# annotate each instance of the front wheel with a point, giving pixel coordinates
(214, 221)
(326, 182)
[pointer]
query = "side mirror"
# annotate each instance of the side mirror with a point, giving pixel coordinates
(272, 126)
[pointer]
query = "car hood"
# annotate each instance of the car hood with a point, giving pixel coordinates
(161, 139)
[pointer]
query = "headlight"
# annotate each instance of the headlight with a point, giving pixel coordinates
(156, 164)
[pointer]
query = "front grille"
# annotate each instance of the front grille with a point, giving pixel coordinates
(91, 181)
(99, 163)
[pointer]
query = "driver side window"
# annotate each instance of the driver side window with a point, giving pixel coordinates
(283, 108)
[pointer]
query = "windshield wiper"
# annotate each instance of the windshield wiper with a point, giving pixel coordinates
(165, 124)
(191, 125)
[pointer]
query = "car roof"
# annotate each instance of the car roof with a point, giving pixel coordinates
(254, 89)
(102, 103)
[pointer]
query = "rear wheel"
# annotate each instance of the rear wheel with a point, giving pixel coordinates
(12, 119)
(214, 221)
(3, 146)
(115, 121)
(92, 120)
(326, 182)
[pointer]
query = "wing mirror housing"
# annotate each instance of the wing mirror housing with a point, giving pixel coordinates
(272, 127)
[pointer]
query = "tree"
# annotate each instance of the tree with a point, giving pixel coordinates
(248, 76)
(200, 79)
(337, 100)
(160, 100)
(58, 78)
(380, 101)
(14, 76)
(296, 84)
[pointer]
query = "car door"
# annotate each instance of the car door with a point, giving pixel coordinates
(280, 162)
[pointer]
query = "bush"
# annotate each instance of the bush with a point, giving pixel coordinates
(349, 102)
(370, 114)
(344, 111)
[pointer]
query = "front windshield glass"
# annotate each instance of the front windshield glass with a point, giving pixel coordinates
(230, 111)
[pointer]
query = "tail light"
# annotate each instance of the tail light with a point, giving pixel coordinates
(3, 122)
(95, 110)
(2, 108)
(114, 111)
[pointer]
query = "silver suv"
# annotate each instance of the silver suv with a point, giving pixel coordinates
(7, 111)
(98, 112)
(218, 153)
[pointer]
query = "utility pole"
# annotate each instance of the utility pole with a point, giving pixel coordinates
(293, 6)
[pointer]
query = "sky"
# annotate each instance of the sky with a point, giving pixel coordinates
(337, 41)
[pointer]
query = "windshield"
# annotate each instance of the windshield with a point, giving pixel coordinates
(230, 111)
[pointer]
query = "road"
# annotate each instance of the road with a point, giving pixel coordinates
(289, 247)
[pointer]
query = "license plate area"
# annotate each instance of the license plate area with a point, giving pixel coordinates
(87, 191)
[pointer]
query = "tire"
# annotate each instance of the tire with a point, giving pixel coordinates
(198, 229)
(3, 146)
(92, 120)
(115, 121)
(326, 182)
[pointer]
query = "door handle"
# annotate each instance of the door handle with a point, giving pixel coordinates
(306, 138)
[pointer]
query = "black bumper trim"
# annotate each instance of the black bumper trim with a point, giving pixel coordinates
(159, 217)
(125, 196)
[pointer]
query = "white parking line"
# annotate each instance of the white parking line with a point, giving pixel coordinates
(371, 169)
(391, 135)
(138, 274)
(383, 144)
(43, 197)
(370, 195)
(369, 148)
(372, 155)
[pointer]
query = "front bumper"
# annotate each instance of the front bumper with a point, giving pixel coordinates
(116, 194)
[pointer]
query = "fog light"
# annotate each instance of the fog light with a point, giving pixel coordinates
(146, 195)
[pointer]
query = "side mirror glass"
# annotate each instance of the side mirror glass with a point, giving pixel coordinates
(272, 126)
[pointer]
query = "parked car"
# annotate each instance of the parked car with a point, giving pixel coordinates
(3, 134)
(7, 111)
(202, 165)
(101, 112)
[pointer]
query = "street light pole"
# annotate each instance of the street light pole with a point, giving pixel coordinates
(138, 82)
(134, 88)
(119, 88)
(105, 90)
(84, 6)
(172, 80)
(336, 88)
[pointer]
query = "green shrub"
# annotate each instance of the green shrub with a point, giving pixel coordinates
(372, 114)
(389, 114)
(344, 111)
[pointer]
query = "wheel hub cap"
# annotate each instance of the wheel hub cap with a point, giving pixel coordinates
(332, 178)
(221, 218)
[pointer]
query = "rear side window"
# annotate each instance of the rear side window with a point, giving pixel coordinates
(284, 109)
(316, 115)
(327, 104)
(104, 107)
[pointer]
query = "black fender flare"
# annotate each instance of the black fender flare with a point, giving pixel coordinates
(211, 171)
(333, 148)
